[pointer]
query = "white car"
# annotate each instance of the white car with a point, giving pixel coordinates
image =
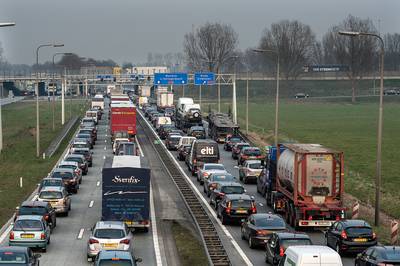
(250, 170)
(71, 165)
(204, 172)
(116, 142)
(311, 256)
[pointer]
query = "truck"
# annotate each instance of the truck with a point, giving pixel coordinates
(98, 101)
(187, 114)
(305, 182)
(164, 100)
(144, 91)
(220, 125)
(141, 100)
(123, 118)
(126, 191)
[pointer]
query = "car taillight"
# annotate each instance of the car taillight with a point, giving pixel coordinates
(194, 161)
(343, 234)
(281, 252)
(384, 264)
(93, 241)
(46, 217)
(262, 232)
(42, 236)
(205, 174)
(373, 235)
(125, 241)
(337, 217)
(11, 235)
(253, 208)
(310, 217)
(228, 208)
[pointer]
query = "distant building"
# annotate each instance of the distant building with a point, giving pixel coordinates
(149, 70)
(96, 70)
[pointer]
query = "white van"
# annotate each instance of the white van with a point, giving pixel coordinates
(310, 256)
(163, 120)
(186, 141)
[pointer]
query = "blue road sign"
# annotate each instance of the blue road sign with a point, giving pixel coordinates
(170, 78)
(204, 78)
(137, 76)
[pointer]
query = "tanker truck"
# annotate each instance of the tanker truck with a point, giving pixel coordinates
(305, 183)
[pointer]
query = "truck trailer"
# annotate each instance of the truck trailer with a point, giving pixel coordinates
(187, 114)
(123, 118)
(305, 182)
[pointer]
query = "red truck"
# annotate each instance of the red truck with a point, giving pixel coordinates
(306, 184)
(123, 118)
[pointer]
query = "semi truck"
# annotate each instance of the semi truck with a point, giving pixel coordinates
(123, 118)
(220, 125)
(165, 99)
(126, 191)
(187, 114)
(305, 182)
(98, 101)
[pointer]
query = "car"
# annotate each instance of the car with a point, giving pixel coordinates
(92, 114)
(235, 208)
(58, 197)
(119, 135)
(249, 153)
(175, 132)
(379, 256)
(127, 148)
(85, 152)
(154, 118)
(258, 228)
(185, 140)
(108, 235)
(87, 137)
(50, 182)
(250, 170)
(310, 255)
(117, 141)
(80, 159)
(70, 178)
(88, 122)
(206, 169)
(198, 132)
(80, 143)
(237, 148)
(183, 151)
(263, 182)
(390, 92)
(116, 257)
(38, 208)
(89, 130)
(280, 241)
(301, 95)
(20, 256)
(225, 188)
(30, 231)
(350, 235)
(170, 112)
(172, 141)
(71, 165)
(230, 141)
(214, 178)
(162, 130)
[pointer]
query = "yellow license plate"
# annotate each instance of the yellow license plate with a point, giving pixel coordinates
(360, 240)
(113, 245)
(241, 211)
(129, 223)
(27, 235)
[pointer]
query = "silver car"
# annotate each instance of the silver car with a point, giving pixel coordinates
(250, 170)
(30, 231)
(208, 168)
(72, 165)
(58, 197)
(108, 235)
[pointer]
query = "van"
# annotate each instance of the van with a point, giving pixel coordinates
(310, 256)
(186, 141)
(202, 151)
(163, 120)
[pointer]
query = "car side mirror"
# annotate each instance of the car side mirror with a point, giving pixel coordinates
(17, 208)
(138, 259)
(37, 256)
(242, 221)
(69, 194)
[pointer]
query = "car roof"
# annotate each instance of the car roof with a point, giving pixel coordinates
(242, 144)
(350, 223)
(251, 148)
(219, 164)
(75, 155)
(230, 183)
(52, 188)
(81, 149)
(253, 161)
(312, 250)
(14, 248)
(31, 203)
(289, 235)
(238, 196)
(109, 254)
(68, 163)
(110, 224)
(30, 217)
(63, 170)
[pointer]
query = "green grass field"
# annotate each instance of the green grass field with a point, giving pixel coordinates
(18, 158)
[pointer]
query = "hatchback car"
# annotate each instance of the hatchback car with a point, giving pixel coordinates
(225, 188)
(250, 170)
(89, 130)
(213, 179)
(38, 208)
(163, 130)
(85, 152)
(172, 142)
(350, 235)
(51, 182)
(70, 178)
(87, 137)
(379, 256)
(280, 241)
(258, 228)
(197, 131)
(108, 235)
(230, 141)
(116, 257)
(58, 197)
(80, 159)
(116, 143)
(249, 153)
(30, 231)
(80, 143)
(237, 148)
(235, 207)
(183, 151)
(71, 165)
(206, 169)
(20, 256)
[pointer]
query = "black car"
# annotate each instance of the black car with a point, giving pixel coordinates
(280, 241)
(379, 256)
(212, 181)
(183, 151)
(235, 207)
(42, 208)
(350, 235)
(197, 131)
(258, 228)
(88, 138)
(22, 256)
(164, 130)
(69, 178)
(85, 152)
(230, 141)
(172, 142)
(225, 188)
(236, 149)
(80, 159)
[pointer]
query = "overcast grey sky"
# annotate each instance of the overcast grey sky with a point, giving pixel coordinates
(126, 30)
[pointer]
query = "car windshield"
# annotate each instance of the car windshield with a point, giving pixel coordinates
(109, 233)
(52, 183)
(28, 225)
(67, 166)
(241, 203)
(235, 140)
(12, 257)
(79, 145)
(62, 175)
(359, 231)
(112, 262)
(271, 222)
(213, 167)
(255, 165)
(285, 243)
(83, 136)
(391, 254)
(253, 152)
(50, 195)
(223, 178)
(232, 190)
(74, 159)
(26, 210)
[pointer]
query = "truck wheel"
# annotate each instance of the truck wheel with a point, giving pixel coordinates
(268, 198)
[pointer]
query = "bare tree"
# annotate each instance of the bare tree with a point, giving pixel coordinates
(357, 53)
(293, 41)
(392, 51)
(209, 46)
(318, 56)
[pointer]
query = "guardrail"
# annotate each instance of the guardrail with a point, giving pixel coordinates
(57, 141)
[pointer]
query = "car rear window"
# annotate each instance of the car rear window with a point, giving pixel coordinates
(52, 182)
(271, 222)
(359, 230)
(112, 262)
(62, 175)
(214, 167)
(12, 257)
(255, 165)
(79, 145)
(285, 243)
(74, 159)
(223, 178)
(235, 140)
(50, 195)
(241, 146)
(240, 203)
(28, 225)
(25, 210)
(67, 166)
(254, 152)
(232, 190)
(109, 233)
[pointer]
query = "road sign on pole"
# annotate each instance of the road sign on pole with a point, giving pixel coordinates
(204, 78)
(170, 78)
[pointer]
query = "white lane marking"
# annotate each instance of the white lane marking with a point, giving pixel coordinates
(140, 147)
(91, 203)
(5, 234)
(154, 229)
(98, 183)
(261, 204)
(35, 197)
(80, 235)
(223, 227)
(105, 141)
(104, 157)
(105, 147)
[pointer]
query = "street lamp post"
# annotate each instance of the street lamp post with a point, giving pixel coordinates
(37, 95)
(276, 52)
(234, 108)
(378, 173)
(6, 24)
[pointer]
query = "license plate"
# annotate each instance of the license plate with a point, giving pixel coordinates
(130, 222)
(360, 240)
(241, 211)
(27, 235)
(110, 246)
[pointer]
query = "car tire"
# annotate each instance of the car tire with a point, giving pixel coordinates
(89, 259)
(146, 229)
(208, 193)
(251, 244)
(223, 220)
(204, 190)
(242, 234)
(48, 241)
(66, 213)
(338, 249)
(44, 250)
(245, 181)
